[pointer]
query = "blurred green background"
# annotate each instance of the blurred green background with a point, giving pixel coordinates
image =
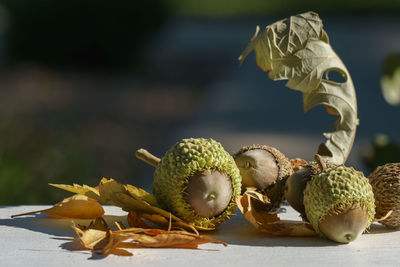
(83, 84)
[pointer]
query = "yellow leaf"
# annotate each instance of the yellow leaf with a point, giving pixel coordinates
(80, 189)
(74, 207)
(95, 236)
(108, 188)
(142, 194)
(265, 222)
(130, 198)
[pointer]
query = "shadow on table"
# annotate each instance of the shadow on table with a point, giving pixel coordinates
(245, 234)
(73, 246)
(51, 226)
(240, 232)
(379, 229)
(59, 229)
(235, 232)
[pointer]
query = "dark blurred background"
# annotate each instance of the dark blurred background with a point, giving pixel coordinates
(83, 84)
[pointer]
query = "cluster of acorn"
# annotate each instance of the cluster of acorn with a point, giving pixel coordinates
(198, 181)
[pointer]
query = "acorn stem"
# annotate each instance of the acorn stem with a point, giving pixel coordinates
(320, 161)
(147, 157)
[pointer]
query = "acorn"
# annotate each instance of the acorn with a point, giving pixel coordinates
(339, 203)
(385, 182)
(295, 185)
(196, 180)
(265, 168)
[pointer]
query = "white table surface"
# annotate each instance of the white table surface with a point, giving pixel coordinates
(40, 241)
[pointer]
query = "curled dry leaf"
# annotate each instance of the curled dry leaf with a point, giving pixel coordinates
(98, 237)
(130, 198)
(298, 49)
(298, 164)
(253, 210)
(94, 235)
(74, 207)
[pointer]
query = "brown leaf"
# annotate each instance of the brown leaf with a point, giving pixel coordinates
(74, 207)
(98, 237)
(252, 210)
(135, 221)
(157, 238)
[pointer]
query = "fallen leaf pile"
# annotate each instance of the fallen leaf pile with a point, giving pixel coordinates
(130, 198)
(141, 205)
(99, 238)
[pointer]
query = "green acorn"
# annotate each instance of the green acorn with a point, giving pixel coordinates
(339, 203)
(196, 180)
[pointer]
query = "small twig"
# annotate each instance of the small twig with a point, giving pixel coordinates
(147, 157)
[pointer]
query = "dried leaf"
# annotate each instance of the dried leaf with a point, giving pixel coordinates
(95, 236)
(156, 238)
(130, 198)
(253, 193)
(298, 49)
(155, 218)
(74, 207)
(142, 194)
(81, 189)
(298, 164)
(98, 237)
(253, 211)
(135, 221)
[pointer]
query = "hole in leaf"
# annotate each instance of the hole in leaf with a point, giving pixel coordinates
(335, 75)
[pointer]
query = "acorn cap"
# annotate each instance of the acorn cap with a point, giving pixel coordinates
(200, 159)
(385, 182)
(275, 190)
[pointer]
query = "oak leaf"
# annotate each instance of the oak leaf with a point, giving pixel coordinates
(74, 207)
(297, 49)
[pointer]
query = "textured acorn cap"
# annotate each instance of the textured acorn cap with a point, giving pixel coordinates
(180, 163)
(385, 182)
(275, 192)
(297, 182)
(334, 190)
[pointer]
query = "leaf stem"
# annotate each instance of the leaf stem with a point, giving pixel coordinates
(320, 161)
